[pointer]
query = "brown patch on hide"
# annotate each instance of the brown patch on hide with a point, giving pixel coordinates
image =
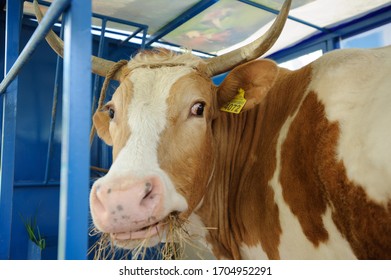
(302, 189)
(363, 222)
(241, 204)
(185, 148)
(313, 179)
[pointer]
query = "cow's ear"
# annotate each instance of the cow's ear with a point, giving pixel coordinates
(255, 78)
(102, 122)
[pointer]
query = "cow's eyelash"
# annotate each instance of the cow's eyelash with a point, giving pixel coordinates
(109, 109)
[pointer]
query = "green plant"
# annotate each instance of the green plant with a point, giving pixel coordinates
(33, 231)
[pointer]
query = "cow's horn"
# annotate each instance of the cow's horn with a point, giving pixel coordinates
(253, 50)
(99, 65)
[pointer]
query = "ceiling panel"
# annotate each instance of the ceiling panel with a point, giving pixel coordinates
(326, 13)
(224, 25)
(155, 14)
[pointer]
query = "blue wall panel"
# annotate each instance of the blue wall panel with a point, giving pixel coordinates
(33, 121)
(40, 202)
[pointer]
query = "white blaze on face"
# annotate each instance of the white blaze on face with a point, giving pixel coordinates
(147, 115)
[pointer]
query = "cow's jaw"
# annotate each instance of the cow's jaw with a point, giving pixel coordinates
(133, 201)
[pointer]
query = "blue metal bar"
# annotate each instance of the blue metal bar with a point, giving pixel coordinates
(113, 32)
(130, 36)
(7, 164)
(75, 155)
(50, 18)
(34, 183)
(122, 21)
(54, 113)
(179, 20)
(144, 40)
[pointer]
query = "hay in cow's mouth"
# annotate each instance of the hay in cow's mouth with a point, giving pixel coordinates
(176, 236)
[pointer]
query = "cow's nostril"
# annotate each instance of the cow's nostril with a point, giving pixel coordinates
(147, 190)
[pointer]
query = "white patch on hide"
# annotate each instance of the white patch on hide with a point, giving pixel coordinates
(252, 253)
(355, 87)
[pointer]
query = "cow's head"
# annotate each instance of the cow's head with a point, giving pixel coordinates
(159, 122)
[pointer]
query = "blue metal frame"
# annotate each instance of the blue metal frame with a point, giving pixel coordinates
(330, 40)
(75, 157)
(13, 24)
(105, 19)
(52, 14)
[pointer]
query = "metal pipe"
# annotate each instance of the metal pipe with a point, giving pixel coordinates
(7, 164)
(130, 36)
(54, 112)
(50, 18)
(144, 41)
(37, 184)
(76, 123)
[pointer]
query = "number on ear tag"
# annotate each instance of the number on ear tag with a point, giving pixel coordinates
(236, 104)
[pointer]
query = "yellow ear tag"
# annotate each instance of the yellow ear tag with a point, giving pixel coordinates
(236, 104)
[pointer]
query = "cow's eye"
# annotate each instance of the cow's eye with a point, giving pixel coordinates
(111, 113)
(198, 109)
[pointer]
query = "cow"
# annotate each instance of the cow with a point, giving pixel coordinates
(301, 169)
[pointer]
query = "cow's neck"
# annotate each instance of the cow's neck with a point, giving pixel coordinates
(239, 206)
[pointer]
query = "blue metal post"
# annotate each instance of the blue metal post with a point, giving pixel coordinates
(56, 89)
(7, 164)
(75, 156)
(145, 33)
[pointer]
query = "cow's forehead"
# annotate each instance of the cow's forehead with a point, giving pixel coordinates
(152, 87)
(163, 59)
(146, 115)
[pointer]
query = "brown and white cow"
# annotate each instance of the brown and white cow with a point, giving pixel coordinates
(303, 172)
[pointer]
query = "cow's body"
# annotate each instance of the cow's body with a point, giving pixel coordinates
(307, 174)
(304, 172)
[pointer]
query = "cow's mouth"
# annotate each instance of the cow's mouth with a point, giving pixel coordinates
(168, 231)
(146, 232)
(154, 232)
